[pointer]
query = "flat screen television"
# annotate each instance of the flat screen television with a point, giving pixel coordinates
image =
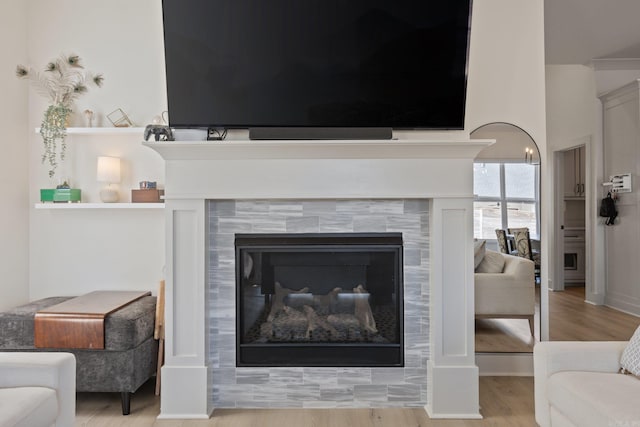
(400, 64)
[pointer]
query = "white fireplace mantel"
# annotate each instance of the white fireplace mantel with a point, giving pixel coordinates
(312, 149)
(440, 171)
(318, 169)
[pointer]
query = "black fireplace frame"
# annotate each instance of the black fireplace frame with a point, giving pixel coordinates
(316, 354)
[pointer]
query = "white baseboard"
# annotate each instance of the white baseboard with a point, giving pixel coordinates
(625, 305)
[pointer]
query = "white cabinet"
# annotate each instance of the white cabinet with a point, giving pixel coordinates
(574, 173)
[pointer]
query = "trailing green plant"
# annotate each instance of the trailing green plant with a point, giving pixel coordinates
(62, 82)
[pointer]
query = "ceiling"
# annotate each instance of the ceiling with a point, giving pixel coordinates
(577, 31)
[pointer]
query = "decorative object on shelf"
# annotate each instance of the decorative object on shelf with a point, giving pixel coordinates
(63, 183)
(161, 119)
(148, 193)
(119, 119)
(160, 132)
(60, 195)
(62, 82)
(88, 115)
(109, 172)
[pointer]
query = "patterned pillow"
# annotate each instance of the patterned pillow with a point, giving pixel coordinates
(630, 360)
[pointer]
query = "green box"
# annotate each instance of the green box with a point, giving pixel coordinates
(60, 195)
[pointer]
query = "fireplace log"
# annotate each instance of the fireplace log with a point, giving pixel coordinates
(314, 321)
(277, 303)
(363, 310)
(328, 300)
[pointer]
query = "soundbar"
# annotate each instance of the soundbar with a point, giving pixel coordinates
(271, 133)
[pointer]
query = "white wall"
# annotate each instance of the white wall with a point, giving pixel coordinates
(622, 155)
(573, 119)
(571, 94)
(74, 252)
(14, 208)
(118, 38)
(506, 66)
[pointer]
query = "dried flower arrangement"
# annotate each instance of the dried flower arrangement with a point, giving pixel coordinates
(62, 82)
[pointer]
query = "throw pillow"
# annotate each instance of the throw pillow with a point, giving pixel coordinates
(493, 262)
(479, 248)
(630, 360)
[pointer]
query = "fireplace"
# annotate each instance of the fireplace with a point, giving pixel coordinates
(319, 299)
(421, 188)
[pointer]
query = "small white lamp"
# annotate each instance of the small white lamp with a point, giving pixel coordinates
(109, 172)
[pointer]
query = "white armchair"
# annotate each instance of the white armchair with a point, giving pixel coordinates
(578, 384)
(509, 294)
(37, 389)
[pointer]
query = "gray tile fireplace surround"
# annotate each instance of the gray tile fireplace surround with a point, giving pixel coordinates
(233, 387)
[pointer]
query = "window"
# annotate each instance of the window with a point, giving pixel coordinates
(507, 195)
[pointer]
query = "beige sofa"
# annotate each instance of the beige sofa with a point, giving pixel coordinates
(506, 294)
(578, 384)
(37, 389)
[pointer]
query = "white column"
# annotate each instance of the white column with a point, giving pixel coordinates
(184, 374)
(453, 387)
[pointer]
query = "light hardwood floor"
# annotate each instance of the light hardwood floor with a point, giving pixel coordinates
(571, 319)
(507, 335)
(504, 336)
(504, 401)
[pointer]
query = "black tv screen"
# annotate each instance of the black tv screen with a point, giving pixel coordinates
(316, 63)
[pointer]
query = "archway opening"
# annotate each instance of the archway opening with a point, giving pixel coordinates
(507, 197)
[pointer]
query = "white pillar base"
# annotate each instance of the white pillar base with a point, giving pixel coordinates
(184, 393)
(453, 392)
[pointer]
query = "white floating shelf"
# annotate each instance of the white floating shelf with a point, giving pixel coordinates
(104, 131)
(99, 205)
